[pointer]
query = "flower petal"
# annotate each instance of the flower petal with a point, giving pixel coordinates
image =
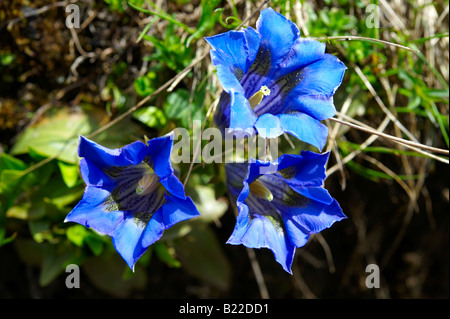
(322, 77)
(297, 235)
(268, 126)
(242, 116)
(306, 169)
(174, 210)
(155, 228)
(173, 185)
(257, 231)
(302, 53)
(315, 216)
(237, 49)
(318, 194)
(159, 151)
(305, 128)
(127, 239)
(318, 106)
(177, 209)
(229, 81)
(94, 176)
(101, 156)
(278, 34)
(91, 211)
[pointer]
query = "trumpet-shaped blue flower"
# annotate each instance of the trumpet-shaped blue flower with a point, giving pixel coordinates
(131, 194)
(281, 210)
(274, 81)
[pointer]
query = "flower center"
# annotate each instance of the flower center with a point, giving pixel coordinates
(148, 183)
(259, 190)
(256, 98)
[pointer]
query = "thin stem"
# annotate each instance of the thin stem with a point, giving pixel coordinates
(358, 38)
(392, 138)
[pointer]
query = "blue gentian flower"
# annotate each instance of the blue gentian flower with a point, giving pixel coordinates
(131, 194)
(280, 211)
(274, 81)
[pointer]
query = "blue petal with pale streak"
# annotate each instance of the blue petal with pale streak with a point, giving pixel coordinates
(160, 149)
(94, 176)
(90, 211)
(229, 81)
(174, 210)
(242, 116)
(257, 231)
(314, 217)
(319, 106)
(305, 128)
(268, 126)
(300, 125)
(297, 234)
(173, 185)
(127, 239)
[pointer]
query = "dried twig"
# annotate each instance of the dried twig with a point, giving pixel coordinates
(394, 138)
(358, 38)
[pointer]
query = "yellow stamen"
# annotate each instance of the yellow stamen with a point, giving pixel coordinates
(258, 189)
(256, 98)
(147, 184)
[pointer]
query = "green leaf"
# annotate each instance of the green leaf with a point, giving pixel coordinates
(177, 104)
(9, 179)
(6, 58)
(80, 236)
(63, 197)
(207, 19)
(5, 240)
(69, 173)
(166, 255)
(151, 116)
(161, 14)
(19, 211)
(95, 243)
(11, 175)
(30, 252)
(30, 210)
(56, 135)
(55, 260)
(437, 94)
(10, 162)
(201, 256)
(76, 234)
(40, 230)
